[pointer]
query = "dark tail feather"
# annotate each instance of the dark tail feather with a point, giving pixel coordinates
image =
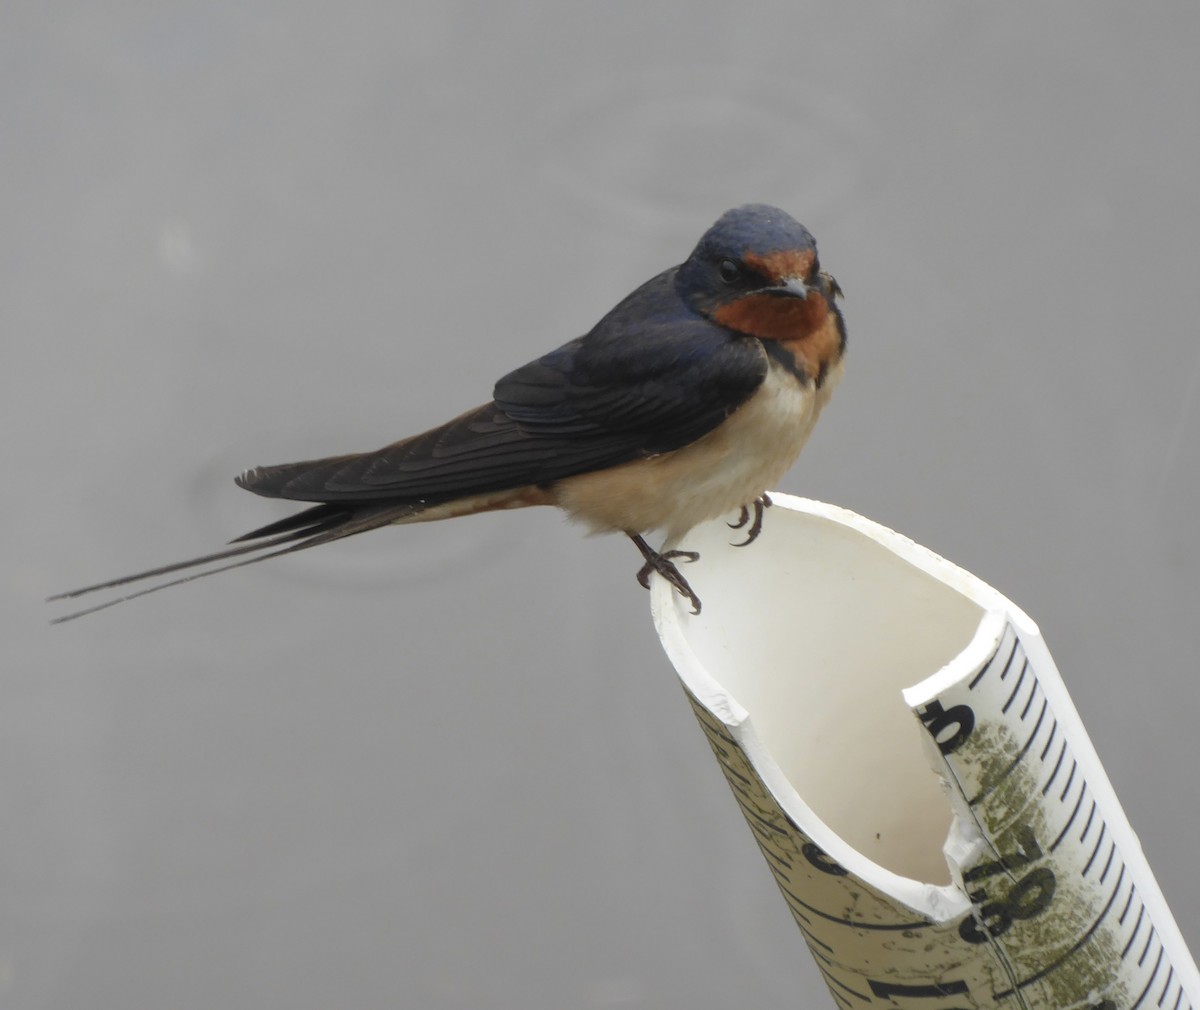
(310, 528)
(319, 515)
(300, 525)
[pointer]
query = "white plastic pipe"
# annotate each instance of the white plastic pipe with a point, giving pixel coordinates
(915, 774)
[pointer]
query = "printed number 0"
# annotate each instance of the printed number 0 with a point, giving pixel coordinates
(937, 720)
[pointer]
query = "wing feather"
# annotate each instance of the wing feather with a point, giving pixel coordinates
(647, 380)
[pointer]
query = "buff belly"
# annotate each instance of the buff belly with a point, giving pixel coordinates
(727, 468)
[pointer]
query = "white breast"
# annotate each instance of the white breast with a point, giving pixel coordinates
(727, 468)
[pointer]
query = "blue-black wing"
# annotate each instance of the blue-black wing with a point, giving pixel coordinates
(650, 378)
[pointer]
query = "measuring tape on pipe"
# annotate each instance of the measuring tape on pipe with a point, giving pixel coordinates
(915, 774)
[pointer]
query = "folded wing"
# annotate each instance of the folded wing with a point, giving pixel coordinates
(596, 402)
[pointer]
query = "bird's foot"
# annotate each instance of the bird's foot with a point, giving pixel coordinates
(664, 563)
(761, 503)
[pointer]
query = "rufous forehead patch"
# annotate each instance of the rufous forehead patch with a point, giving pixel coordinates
(784, 263)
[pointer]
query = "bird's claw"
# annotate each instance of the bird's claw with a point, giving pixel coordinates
(759, 504)
(663, 562)
(665, 565)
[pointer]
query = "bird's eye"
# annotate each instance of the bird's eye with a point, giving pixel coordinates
(729, 271)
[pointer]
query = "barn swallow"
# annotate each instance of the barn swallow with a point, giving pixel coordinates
(685, 402)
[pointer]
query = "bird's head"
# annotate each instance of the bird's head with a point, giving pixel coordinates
(756, 272)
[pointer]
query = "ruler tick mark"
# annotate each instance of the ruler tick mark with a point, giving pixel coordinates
(1070, 820)
(1088, 826)
(1167, 985)
(1136, 929)
(991, 663)
(1112, 851)
(1049, 741)
(1011, 656)
(820, 943)
(1070, 779)
(1016, 690)
(1146, 949)
(1150, 982)
(1062, 751)
(1092, 858)
(838, 982)
(1029, 704)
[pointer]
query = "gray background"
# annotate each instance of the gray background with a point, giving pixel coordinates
(449, 766)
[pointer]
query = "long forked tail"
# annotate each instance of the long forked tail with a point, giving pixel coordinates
(310, 528)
